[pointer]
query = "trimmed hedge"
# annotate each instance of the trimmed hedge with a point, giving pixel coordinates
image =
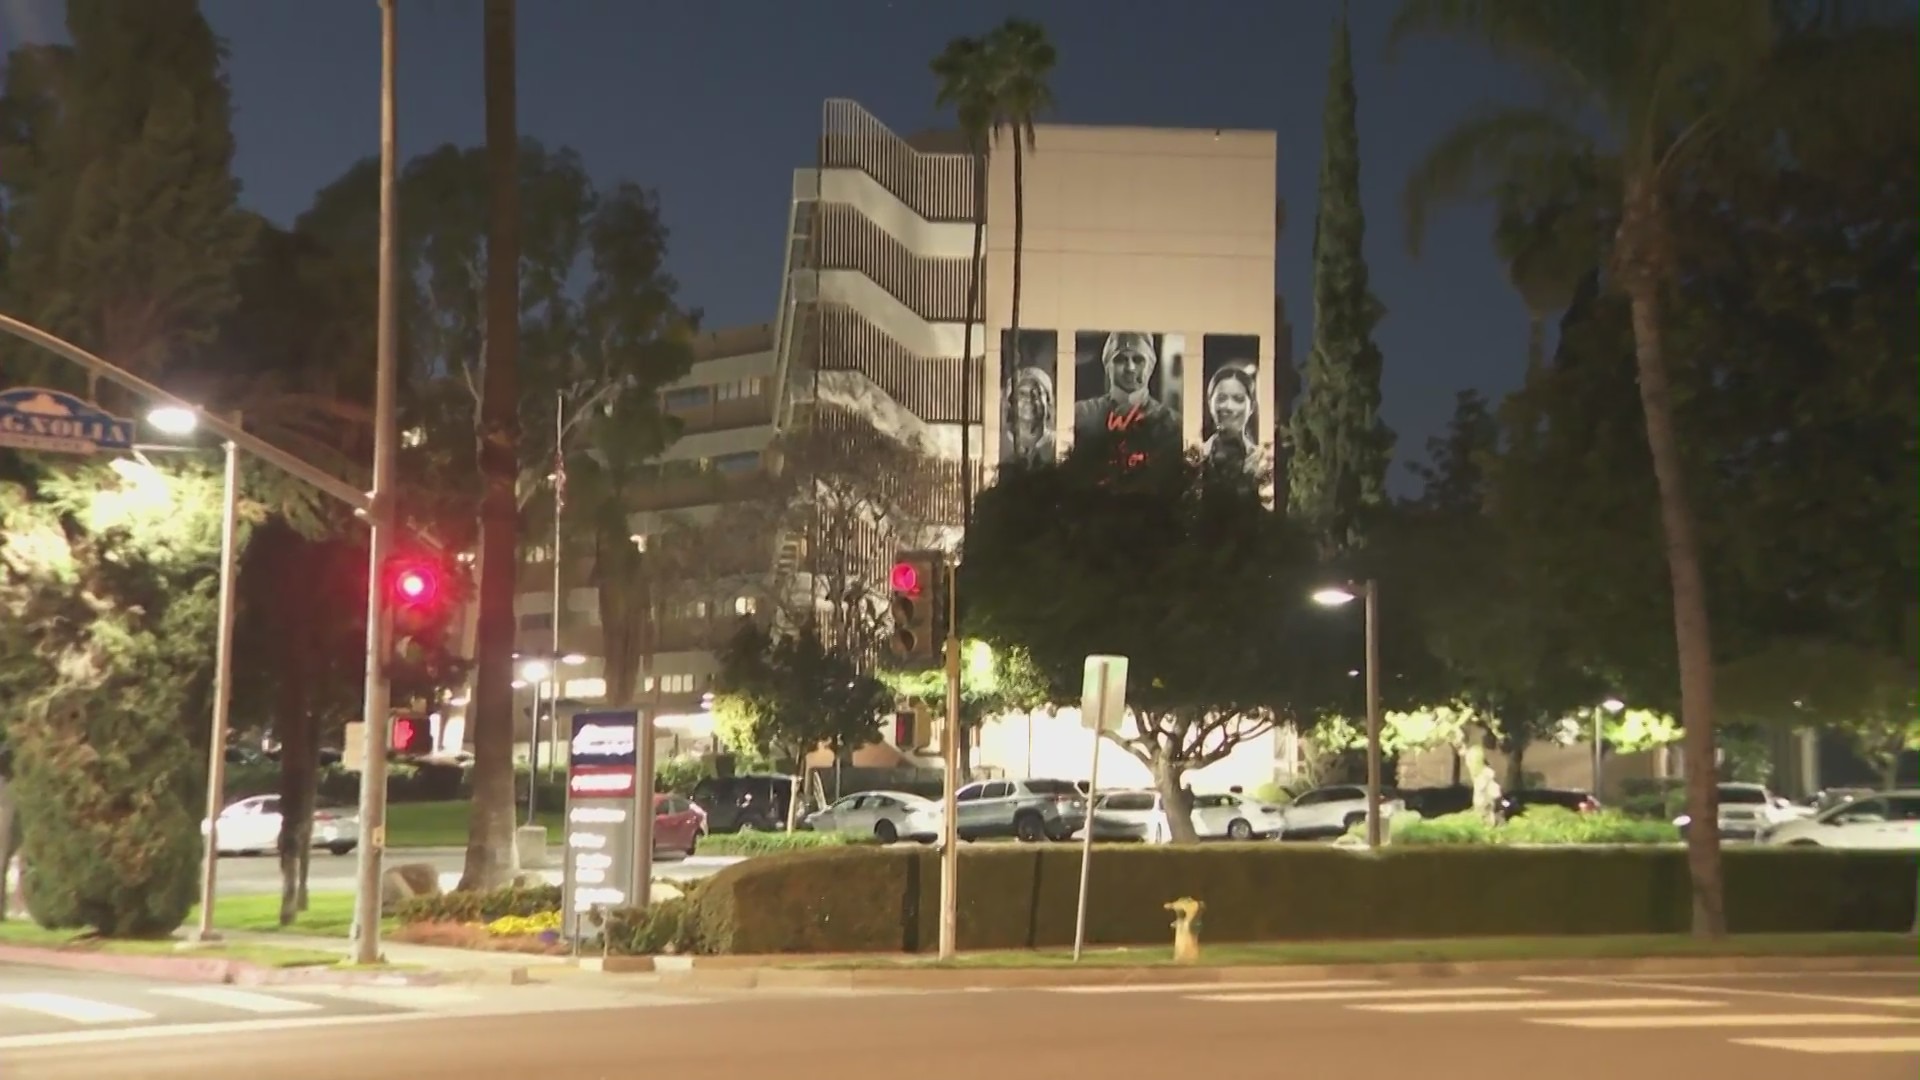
(863, 899)
(1540, 825)
(768, 843)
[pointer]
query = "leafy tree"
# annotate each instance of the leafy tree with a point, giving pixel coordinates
(992, 684)
(1642, 95)
(787, 695)
(116, 160)
(1175, 566)
(1872, 697)
(105, 645)
(1337, 472)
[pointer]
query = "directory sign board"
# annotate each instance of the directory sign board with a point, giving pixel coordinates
(32, 418)
(602, 783)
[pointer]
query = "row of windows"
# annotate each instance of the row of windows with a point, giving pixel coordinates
(699, 397)
(675, 684)
(693, 610)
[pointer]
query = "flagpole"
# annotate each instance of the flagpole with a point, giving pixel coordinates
(559, 508)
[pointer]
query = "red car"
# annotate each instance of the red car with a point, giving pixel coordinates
(678, 824)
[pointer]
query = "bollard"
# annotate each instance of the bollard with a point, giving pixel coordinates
(1186, 929)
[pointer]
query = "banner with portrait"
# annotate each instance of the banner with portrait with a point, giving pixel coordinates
(1232, 428)
(1129, 381)
(1029, 398)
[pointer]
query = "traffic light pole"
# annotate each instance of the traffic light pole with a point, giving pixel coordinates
(380, 519)
(950, 755)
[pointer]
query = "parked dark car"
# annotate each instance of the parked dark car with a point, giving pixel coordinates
(753, 802)
(1515, 803)
(1433, 802)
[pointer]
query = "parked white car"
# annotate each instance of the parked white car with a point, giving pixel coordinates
(1141, 815)
(252, 826)
(1748, 810)
(885, 815)
(1887, 821)
(1331, 811)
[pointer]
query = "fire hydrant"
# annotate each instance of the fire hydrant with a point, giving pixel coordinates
(1186, 929)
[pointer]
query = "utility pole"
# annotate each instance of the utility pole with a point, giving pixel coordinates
(950, 753)
(222, 692)
(380, 519)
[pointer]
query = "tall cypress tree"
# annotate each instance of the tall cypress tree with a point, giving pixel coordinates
(1340, 449)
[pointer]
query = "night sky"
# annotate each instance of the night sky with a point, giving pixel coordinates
(714, 102)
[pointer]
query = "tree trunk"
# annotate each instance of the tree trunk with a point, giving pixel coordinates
(976, 284)
(299, 783)
(1516, 764)
(490, 849)
(1019, 243)
(1175, 799)
(1691, 630)
(9, 844)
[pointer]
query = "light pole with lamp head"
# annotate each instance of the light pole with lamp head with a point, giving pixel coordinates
(1613, 706)
(1369, 592)
(179, 422)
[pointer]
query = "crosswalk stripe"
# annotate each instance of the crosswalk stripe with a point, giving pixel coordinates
(1899, 1044)
(1560, 1005)
(77, 1009)
(243, 1000)
(1371, 995)
(1188, 988)
(1760, 1020)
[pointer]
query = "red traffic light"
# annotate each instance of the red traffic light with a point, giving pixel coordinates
(415, 584)
(905, 578)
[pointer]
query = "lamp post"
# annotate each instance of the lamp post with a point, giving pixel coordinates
(172, 420)
(1613, 706)
(1369, 592)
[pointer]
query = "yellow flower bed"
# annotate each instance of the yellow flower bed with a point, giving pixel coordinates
(524, 925)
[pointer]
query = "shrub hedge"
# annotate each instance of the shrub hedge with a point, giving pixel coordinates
(768, 843)
(865, 899)
(1540, 825)
(512, 901)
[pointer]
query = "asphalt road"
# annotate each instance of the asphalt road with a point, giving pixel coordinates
(247, 875)
(1757, 1028)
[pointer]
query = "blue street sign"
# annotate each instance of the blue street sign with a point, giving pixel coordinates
(32, 418)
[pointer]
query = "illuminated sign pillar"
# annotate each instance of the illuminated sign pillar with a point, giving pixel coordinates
(608, 842)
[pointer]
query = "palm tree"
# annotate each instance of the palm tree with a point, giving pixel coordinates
(490, 851)
(1636, 89)
(965, 69)
(1022, 60)
(1550, 241)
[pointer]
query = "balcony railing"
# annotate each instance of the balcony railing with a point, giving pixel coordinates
(928, 386)
(938, 187)
(933, 288)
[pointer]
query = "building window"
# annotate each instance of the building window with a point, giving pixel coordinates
(691, 397)
(755, 387)
(727, 391)
(542, 620)
(737, 463)
(745, 605)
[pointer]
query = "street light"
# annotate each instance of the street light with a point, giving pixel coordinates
(180, 421)
(1613, 706)
(1340, 596)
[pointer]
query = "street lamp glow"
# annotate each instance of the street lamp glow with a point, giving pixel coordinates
(1334, 596)
(173, 420)
(573, 659)
(535, 670)
(1614, 705)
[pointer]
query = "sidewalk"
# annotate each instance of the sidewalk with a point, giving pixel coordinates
(434, 958)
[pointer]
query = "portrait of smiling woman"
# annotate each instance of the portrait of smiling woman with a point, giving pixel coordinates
(1230, 424)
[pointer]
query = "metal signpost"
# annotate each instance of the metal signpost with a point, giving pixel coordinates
(1103, 700)
(602, 785)
(34, 418)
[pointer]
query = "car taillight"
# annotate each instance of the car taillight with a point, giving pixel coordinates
(324, 817)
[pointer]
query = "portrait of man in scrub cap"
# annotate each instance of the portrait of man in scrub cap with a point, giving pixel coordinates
(1127, 381)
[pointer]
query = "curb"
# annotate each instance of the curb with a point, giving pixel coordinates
(191, 969)
(745, 977)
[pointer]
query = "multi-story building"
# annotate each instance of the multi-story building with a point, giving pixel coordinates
(1147, 296)
(708, 524)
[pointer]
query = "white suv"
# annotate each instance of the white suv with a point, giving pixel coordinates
(1747, 810)
(1331, 811)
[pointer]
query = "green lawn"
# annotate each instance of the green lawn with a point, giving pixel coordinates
(444, 824)
(328, 914)
(18, 932)
(1443, 950)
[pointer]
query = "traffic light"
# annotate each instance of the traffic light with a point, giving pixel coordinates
(917, 587)
(423, 593)
(411, 735)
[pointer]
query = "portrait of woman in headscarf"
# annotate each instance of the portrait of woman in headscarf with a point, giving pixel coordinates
(1027, 424)
(1233, 416)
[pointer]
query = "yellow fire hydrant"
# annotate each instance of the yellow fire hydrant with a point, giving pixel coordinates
(1186, 929)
